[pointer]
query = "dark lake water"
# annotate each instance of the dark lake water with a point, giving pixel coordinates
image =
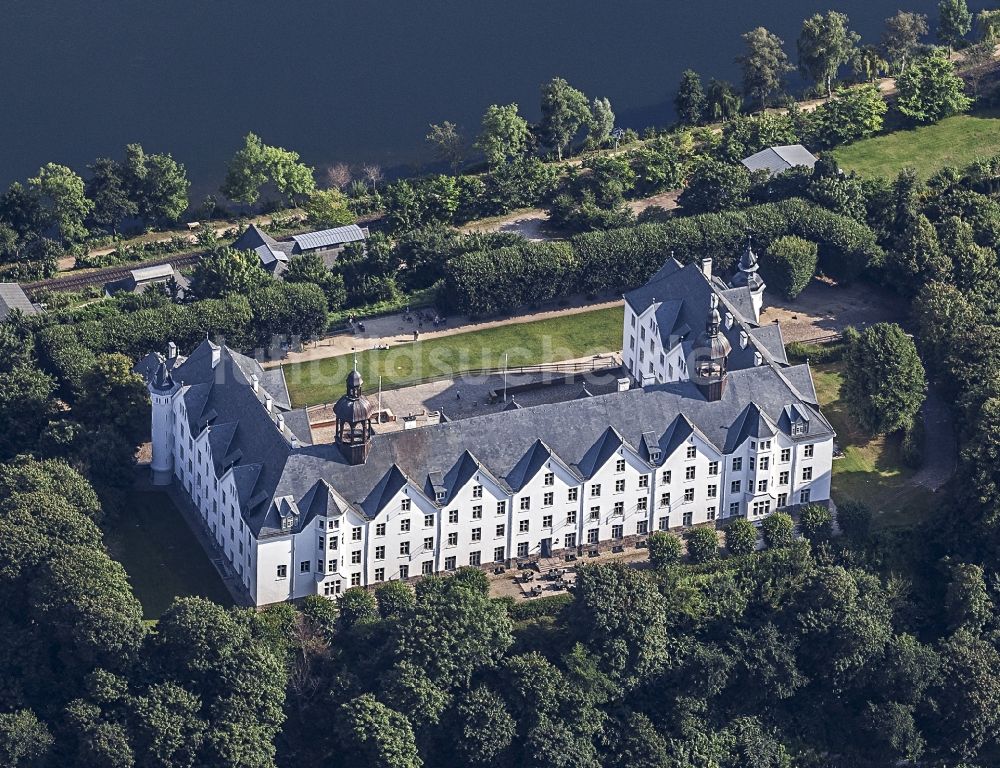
(353, 82)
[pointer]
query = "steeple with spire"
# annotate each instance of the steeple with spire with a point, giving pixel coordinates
(749, 277)
(354, 413)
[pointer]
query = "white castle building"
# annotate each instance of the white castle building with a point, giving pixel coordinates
(720, 425)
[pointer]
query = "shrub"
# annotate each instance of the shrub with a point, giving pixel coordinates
(664, 548)
(816, 523)
(703, 545)
(853, 114)
(814, 353)
(778, 530)
(551, 605)
(716, 186)
(855, 520)
(789, 264)
(741, 537)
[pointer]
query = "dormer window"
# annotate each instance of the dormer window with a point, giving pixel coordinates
(799, 428)
(654, 456)
(439, 495)
(286, 522)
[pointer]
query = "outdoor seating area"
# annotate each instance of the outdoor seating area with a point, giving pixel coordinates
(536, 579)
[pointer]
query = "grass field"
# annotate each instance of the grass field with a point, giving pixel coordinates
(543, 341)
(162, 557)
(872, 468)
(955, 141)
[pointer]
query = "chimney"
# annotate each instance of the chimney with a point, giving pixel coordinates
(744, 339)
(706, 266)
(758, 358)
(281, 423)
(254, 382)
(268, 403)
(729, 319)
(171, 350)
(216, 355)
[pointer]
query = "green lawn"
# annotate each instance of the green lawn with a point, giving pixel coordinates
(162, 557)
(872, 468)
(955, 141)
(543, 341)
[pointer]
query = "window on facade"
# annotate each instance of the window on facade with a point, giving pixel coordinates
(522, 549)
(356, 533)
(686, 518)
(547, 521)
(404, 547)
(786, 455)
(523, 526)
(765, 462)
(548, 499)
(762, 486)
(282, 571)
(642, 504)
(499, 555)
(713, 468)
(595, 489)
(452, 516)
(380, 553)
(572, 494)
(782, 478)
(782, 499)
(620, 465)
(404, 526)
(477, 534)
(753, 463)
(429, 542)
(449, 563)
(592, 535)
(453, 539)
(807, 473)
(404, 571)
(665, 477)
(501, 507)
(319, 543)
(619, 508)
(477, 491)
(663, 523)
(644, 481)
(331, 565)
(804, 496)
(642, 527)
(475, 558)
(664, 499)
(807, 451)
(477, 512)
(380, 529)
(738, 464)
(689, 494)
(500, 530)
(428, 521)
(550, 478)
(595, 513)
(689, 473)
(404, 504)
(571, 518)
(734, 487)
(380, 574)
(355, 579)
(305, 566)
(631, 342)
(356, 557)
(619, 486)
(525, 503)
(617, 531)
(692, 452)
(427, 567)
(734, 508)
(712, 491)
(710, 513)
(633, 321)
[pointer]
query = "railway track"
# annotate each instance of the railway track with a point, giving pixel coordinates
(104, 276)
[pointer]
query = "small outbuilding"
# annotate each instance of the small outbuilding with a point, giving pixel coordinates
(777, 160)
(13, 297)
(139, 280)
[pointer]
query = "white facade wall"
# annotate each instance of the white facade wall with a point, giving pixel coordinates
(645, 355)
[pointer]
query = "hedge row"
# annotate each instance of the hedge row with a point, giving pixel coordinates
(489, 282)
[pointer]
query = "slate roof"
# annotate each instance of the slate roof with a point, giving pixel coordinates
(273, 254)
(329, 238)
(11, 298)
(776, 160)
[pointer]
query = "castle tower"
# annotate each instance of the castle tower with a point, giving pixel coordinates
(161, 391)
(749, 277)
(354, 414)
(711, 350)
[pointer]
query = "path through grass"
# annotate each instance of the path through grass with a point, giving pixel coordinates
(956, 141)
(543, 341)
(872, 468)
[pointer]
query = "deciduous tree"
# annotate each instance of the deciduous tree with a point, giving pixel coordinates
(824, 45)
(901, 37)
(504, 134)
(690, 101)
(565, 111)
(929, 90)
(764, 64)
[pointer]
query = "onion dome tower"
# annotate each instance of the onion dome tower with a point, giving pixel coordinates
(749, 277)
(354, 413)
(711, 350)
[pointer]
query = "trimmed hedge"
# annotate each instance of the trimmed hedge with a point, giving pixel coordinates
(538, 607)
(618, 260)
